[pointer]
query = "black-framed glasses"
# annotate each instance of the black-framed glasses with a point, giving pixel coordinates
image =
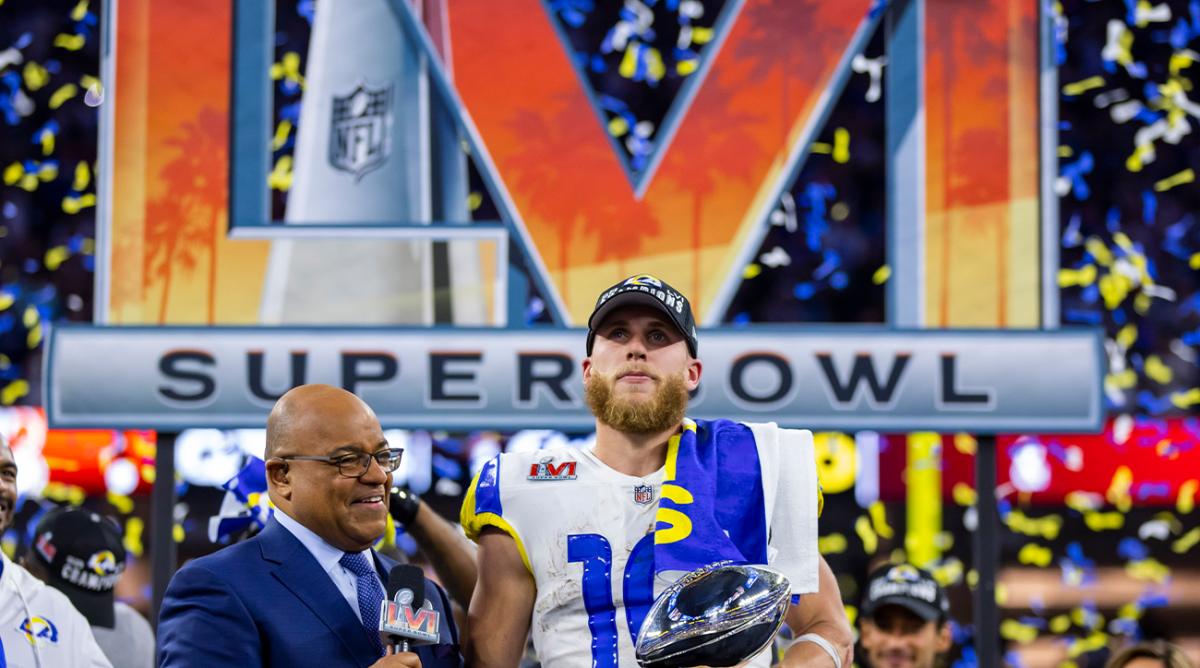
(355, 464)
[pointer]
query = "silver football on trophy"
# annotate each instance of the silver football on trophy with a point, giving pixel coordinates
(719, 615)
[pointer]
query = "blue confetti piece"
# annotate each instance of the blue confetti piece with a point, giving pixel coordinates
(804, 291)
(1153, 599)
(741, 319)
(307, 10)
(1081, 316)
(446, 467)
(30, 265)
(839, 280)
(10, 210)
(1132, 549)
(1149, 206)
(1149, 490)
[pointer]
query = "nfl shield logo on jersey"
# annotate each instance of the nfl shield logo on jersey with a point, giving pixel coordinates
(643, 494)
(360, 134)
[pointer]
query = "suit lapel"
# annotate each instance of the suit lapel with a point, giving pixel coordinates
(297, 570)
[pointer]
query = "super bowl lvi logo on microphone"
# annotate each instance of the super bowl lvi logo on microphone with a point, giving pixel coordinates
(398, 617)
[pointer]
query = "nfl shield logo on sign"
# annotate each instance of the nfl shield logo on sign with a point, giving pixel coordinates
(643, 494)
(360, 136)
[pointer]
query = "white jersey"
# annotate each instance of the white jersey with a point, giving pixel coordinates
(39, 628)
(586, 533)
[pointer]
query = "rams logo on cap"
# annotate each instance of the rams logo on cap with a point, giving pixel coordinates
(39, 629)
(644, 279)
(903, 573)
(103, 562)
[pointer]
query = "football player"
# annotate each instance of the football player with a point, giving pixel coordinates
(575, 544)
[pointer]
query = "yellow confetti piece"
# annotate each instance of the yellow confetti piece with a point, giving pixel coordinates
(47, 171)
(618, 126)
(1046, 527)
(752, 270)
(1158, 371)
(133, 536)
(821, 147)
(654, 64)
(1033, 554)
(1083, 276)
(1011, 629)
(29, 182)
(13, 391)
(148, 473)
(1082, 501)
(1138, 158)
(834, 543)
(965, 443)
(852, 614)
(30, 317)
(628, 64)
(64, 93)
(6, 300)
(1097, 521)
(70, 42)
(34, 337)
(1141, 303)
(1118, 488)
(1149, 570)
(282, 132)
(883, 273)
(35, 76)
(83, 176)
(1059, 624)
(862, 527)
(122, 503)
(56, 256)
(964, 494)
(1186, 176)
(1096, 248)
(474, 201)
(13, 173)
(63, 493)
(281, 176)
(1115, 288)
(1129, 611)
(948, 573)
(841, 145)
(972, 578)
(46, 138)
(1083, 85)
(1123, 380)
(1186, 542)
(1065, 151)
(1186, 399)
(879, 520)
(701, 35)
(686, 67)
(1091, 643)
(177, 533)
(1186, 502)
(88, 247)
(79, 11)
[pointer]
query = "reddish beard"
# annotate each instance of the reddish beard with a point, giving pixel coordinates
(661, 411)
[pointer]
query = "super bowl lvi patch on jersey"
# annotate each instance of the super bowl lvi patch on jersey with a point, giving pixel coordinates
(546, 469)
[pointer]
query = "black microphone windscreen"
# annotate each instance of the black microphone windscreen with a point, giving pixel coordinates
(407, 576)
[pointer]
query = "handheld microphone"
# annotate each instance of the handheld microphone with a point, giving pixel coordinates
(405, 618)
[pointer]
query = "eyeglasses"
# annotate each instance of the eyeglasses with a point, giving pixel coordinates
(355, 465)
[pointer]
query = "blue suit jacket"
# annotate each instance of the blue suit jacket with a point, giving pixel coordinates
(267, 602)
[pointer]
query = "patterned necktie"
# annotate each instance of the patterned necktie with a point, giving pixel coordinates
(370, 594)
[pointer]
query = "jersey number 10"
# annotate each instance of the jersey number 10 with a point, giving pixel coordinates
(637, 590)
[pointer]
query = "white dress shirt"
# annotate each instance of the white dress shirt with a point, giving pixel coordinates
(328, 556)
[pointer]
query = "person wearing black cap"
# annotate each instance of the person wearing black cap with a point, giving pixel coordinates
(575, 544)
(80, 553)
(38, 625)
(904, 618)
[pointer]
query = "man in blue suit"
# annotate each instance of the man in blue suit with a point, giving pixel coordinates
(307, 590)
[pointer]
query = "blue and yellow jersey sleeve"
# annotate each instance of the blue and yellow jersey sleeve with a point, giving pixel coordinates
(483, 507)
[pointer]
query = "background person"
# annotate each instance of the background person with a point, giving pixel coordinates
(904, 619)
(79, 553)
(38, 625)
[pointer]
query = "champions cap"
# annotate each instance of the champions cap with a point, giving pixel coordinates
(646, 290)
